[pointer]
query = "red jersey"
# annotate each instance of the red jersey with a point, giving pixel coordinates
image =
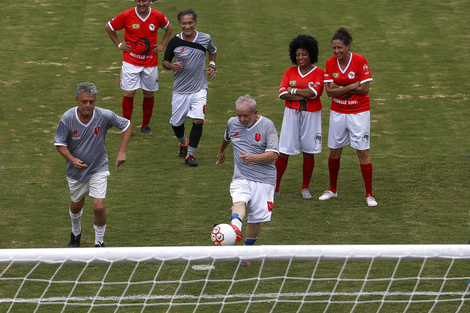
(357, 70)
(141, 34)
(313, 80)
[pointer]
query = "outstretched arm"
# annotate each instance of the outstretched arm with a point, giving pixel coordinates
(121, 155)
(221, 153)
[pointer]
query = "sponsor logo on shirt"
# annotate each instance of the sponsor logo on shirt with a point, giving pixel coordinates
(366, 69)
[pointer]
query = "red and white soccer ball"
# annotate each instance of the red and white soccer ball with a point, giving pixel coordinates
(223, 235)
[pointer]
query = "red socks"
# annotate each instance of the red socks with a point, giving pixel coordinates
(333, 167)
(127, 107)
(366, 170)
(147, 109)
(281, 165)
(307, 170)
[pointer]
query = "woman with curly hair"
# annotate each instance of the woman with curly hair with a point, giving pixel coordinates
(347, 78)
(301, 88)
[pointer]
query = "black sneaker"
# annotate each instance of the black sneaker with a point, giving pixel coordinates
(183, 149)
(75, 240)
(146, 130)
(100, 245)
(190, 160)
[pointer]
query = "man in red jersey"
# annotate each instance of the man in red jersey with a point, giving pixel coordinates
(140, 55)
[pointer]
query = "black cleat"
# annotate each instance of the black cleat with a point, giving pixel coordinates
(146, 130)
(100, 245)
(75, 240)
(190, 160)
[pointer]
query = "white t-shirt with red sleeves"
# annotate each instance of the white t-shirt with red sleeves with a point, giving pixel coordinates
(313, 80)
(140, 34)
(356, 70)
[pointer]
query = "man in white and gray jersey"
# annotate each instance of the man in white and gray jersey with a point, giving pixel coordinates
(255, 149)
(80, 139)
(185, 55)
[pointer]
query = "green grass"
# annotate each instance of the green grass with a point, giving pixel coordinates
(418, 53)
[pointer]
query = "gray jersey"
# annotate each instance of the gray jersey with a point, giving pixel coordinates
(192, 77)
(257, 139)
(87, 142)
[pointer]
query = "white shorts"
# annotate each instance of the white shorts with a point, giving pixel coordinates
(188, 105)
(300, 129)
(352, 129)
(259, 196)
(135, 77)
(95, 187)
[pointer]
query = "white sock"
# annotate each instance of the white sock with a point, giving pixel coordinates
(99, 234)
(76, 224)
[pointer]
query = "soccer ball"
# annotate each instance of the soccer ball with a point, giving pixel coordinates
(223, 235)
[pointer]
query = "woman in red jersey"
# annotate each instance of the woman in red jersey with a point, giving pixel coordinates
(301, 88)
(347, 78)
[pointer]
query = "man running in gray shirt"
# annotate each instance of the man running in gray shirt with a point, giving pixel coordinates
(188, 49)
(80, 139)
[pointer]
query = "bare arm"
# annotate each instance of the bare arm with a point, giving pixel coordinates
(166, 36)
(221, 153)
(121, 155)
(115, 39)
(77, 163)
(211, 68)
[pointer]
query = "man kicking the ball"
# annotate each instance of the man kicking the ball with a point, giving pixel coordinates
(255, 150)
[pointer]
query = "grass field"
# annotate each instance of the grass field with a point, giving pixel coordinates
(418, 52)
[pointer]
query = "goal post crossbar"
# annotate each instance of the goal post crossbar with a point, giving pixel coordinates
(234, 253)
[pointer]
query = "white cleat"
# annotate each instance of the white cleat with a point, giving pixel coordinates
(327, 195)
(371, 202)
(306, 194)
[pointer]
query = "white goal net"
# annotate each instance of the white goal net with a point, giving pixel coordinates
(313, 278)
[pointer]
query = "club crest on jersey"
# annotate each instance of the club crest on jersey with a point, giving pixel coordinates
(292, 83)
(351, 75)
(97, 130)
(152, 27)
(135, 26)
(75, 135)
(257, 137)
(335, 75)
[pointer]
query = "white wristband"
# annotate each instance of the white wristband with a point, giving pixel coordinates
(293, 91)
(119, 45)
(211, 63)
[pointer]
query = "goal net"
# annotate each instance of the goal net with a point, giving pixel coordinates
(312, 278)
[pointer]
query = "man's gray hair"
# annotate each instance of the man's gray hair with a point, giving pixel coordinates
(186, 12)
(89, 88)
(246, 100)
